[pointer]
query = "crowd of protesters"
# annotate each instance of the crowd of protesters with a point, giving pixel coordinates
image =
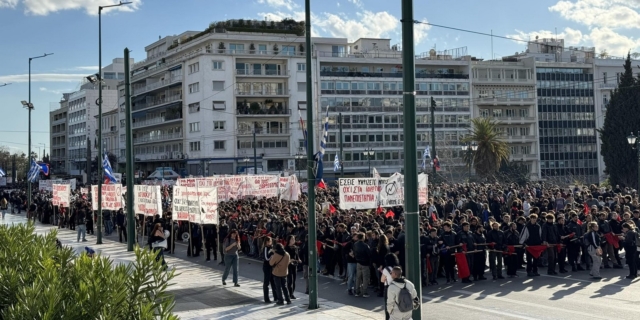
(504, 227)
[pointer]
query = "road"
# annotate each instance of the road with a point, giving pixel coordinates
(569, 296)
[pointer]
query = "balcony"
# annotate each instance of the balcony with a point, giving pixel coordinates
(419, 75)
(262, 73)
(59, 121)
(262, 93)
(528, 138)
(157, 121)
(504, 101)
(514, 119)
(163, 137)
(263, 112)
(608, 85)
(157, 102)
(264, 131)
(156, 85)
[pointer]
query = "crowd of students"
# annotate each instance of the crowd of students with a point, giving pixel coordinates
(463, 227)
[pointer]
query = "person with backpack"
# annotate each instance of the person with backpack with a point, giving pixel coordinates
(390, 261)
(402, 297)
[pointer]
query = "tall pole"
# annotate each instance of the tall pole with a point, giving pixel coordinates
(311, 180)
(470, 161)
(89, 161)
(131, 230)
(433, 136)
(341, 158)
(30, 107)
(255, 153)
(100, 168)
(412, 228)
(638, 148)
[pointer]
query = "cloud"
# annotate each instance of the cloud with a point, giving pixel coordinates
(614, 43)
(45, 7)
(357, 3)
(288, 4)
(8, 3)
(367, 24)
(420, 31)
(599, 13)
(56, 92)
(42, 77)
(86, 68)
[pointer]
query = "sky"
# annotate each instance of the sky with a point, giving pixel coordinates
(69, 30)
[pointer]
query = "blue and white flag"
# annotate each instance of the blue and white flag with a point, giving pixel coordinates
(426, 155)
(34, 170)
(108, 171)
(2, 173)
(336, 164)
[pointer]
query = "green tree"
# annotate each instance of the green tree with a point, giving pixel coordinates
(492, 150)
(621, 119)
(40, 281)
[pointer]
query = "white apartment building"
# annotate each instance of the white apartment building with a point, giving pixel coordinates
(506, 92)
(81, 115)
(199, 97)
(58, 136)
(363, 82)
(110, 138)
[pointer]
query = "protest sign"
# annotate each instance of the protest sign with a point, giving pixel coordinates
(180, 204)
(46, 185)
(61, 193)
(147, 200)
(208, 198)
(392, 191)
(358, 193)
(111, 197)
(423, 180)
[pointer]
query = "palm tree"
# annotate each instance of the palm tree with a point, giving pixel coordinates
(492, 150)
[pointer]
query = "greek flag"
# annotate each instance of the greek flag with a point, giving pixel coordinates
(425, 156)
(32, 175)
(108, 171)
(336, 164)
(2, 173)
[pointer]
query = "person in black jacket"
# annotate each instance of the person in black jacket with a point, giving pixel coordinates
(550, 238)
(265, 255)
(629, 242)
(574, 233)
(211, 241)
(496, 236)
(432, 257)
(121, 224)
(80, 222)
(292, 250)
(531, 235)
(448, 240)
(564, 237)
(465, 237)
(512, 238)
(304, 257)
(479, 258)
(362, 254)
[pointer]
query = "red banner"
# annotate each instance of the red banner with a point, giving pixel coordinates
(536, 251)
(612, 239)
(463, 267)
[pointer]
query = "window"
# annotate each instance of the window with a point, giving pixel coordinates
(194, 126)
(194, 87)
(218, 145)
(524, 113)
(524, 131)
(302, 67)
(302, 87)
(194, 107)
(194, 146)
(236, 48)
(289, 50)
(194, 67)
(218, 85)
(262, 49)
(219, 105)
(218, 125)
(217, 65)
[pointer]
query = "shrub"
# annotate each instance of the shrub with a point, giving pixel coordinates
(39, 281)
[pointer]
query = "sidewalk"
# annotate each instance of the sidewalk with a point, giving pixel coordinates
(199, 292)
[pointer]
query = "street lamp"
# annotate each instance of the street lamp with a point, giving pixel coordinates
(469, 147)
(99, 103)
(369, 153)
(29, 105)
(634, 141)
(299, 156)
(246, 163)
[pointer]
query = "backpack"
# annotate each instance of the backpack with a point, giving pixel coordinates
(405, 302)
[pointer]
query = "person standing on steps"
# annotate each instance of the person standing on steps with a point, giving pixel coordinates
(231, 245)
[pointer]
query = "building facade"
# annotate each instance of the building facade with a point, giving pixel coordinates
(506, 92)
(110, 136)
(58, 137)
(362, 82)
(206, 104)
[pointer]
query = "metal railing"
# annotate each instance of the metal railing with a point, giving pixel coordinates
(156, 85)
(273, 111)
(162, 137)
(157, 102)
(263, 131)
(419, 75)
(278, 92)
(152, 121)
(254, 72)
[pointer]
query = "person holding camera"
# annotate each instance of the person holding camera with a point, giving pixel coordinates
(292, 250)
